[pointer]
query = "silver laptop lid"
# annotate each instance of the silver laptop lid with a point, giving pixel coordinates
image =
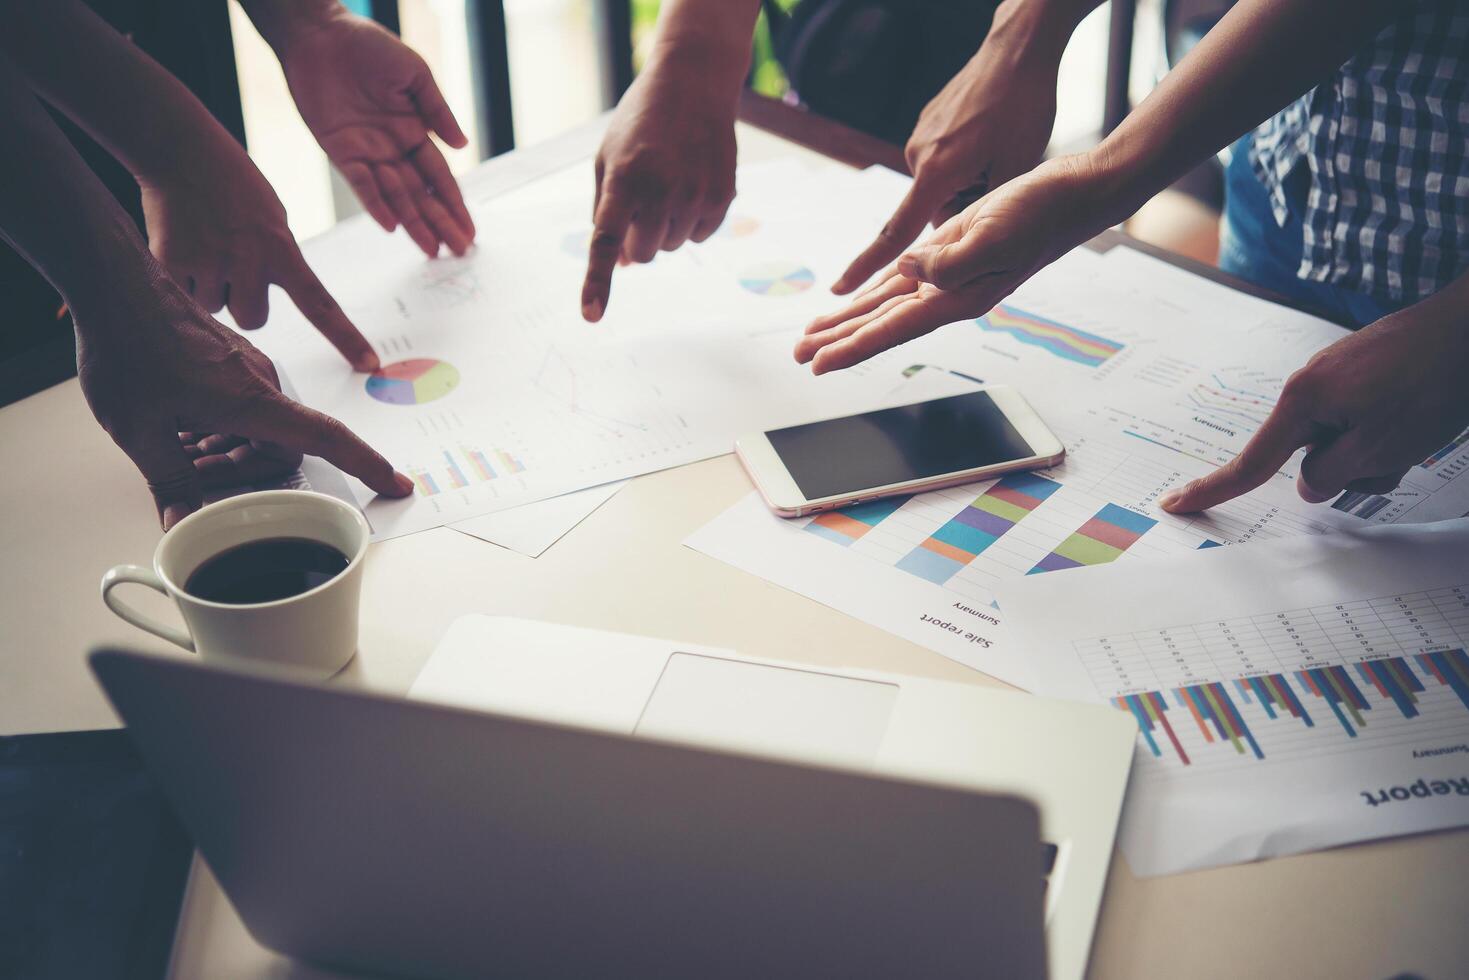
(369, 832)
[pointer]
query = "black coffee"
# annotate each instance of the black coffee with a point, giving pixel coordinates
(266, 570)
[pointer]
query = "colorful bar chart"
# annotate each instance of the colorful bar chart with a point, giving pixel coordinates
(1335, 686)
(1055, 338)
(980, 524)
(462, 467)
(1150, 711)
(1101, 539)
(1364, 505)
(1451, 669)
(1220, 720)
(1446, 451)
(1393, 679)
(851, 523)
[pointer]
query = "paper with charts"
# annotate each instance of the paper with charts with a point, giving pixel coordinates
(1151, 376)
(1289, 696)
(494, 391)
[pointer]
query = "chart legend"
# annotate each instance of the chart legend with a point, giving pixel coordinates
(412, 382)
(1064, 342)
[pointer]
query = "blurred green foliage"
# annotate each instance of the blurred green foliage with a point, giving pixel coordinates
(766, 76)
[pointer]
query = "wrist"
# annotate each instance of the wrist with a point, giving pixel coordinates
(1121, 175)
(701, 58)
(1035, 31)
(123, 278)
(283, 22)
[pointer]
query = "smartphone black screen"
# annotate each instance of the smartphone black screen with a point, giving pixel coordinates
(895, 445)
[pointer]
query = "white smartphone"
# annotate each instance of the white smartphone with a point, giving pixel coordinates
(943, 442)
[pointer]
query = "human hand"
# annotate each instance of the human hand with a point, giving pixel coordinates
(974, 260)
(371, 102)
(1370, 407)
(991, 122)
(665, 172)
(194, 404)
(216, 225)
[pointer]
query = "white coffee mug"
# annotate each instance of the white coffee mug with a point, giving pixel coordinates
(315, 630)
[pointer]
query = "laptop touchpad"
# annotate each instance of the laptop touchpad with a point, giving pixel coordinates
(780, 711)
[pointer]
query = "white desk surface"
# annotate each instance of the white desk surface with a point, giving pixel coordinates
(73, 506)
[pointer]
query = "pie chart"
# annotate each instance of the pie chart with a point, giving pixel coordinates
(412, 382)
(777, 278)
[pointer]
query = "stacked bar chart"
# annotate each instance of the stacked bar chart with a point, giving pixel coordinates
(850, 523)
(1102, 539)
(1059, 339)
(460, 467)
(968, 533)
(1451, 669)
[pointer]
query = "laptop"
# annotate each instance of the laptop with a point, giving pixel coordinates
(1070, 760)
(412, 838)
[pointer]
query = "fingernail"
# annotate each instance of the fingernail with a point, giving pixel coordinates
(403, 484)
(173, 513)
(592, 310)
(1312, 496)
(1169, 500)
(908, 266)
(839, 287)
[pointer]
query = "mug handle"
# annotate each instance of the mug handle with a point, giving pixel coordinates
(136, 574)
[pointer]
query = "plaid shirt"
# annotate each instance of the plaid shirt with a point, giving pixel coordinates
(1387, 141)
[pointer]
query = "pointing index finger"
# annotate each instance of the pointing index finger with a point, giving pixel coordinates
(318, 306)
(1287, 429)
(906, 224)
(609, 229)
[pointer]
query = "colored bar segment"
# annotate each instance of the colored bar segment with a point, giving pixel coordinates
(851, 523)
(1102, 539)
(1451, 669)
(456, 475)
(1056, 338)
(986, 519)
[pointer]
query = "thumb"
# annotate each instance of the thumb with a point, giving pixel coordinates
(963, 249)
(170, 473)
(906, 224)
(936, 264)
(434, 110)
(1330, 465)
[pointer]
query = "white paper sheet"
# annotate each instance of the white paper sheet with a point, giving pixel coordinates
(1152, 377)
(508, 397)
(1292, 695)
(532, 528)
(961, 628)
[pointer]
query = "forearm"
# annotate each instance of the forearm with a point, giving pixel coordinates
(1447, 312)
(1035, 28)
(1259, 58)
(141, 114)
(715, 35)
(281, 21)
(56, 213)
